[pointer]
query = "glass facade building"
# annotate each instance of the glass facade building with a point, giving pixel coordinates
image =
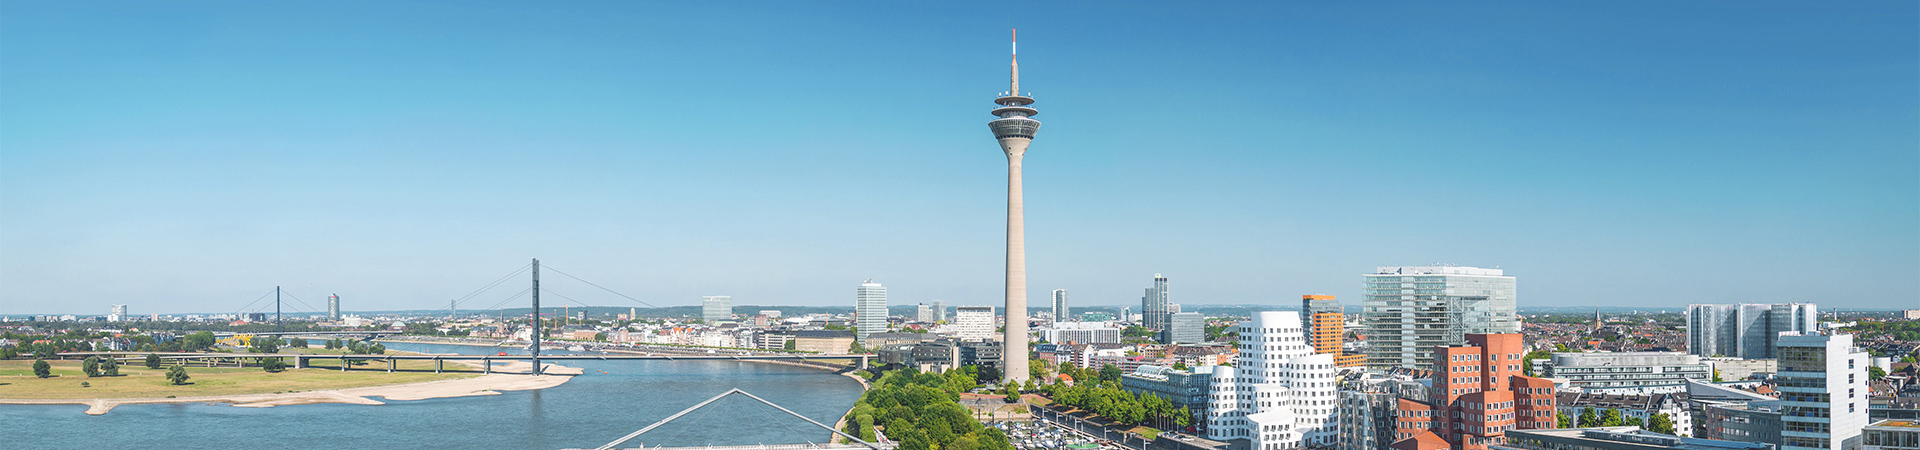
(1409, 311)
(869, 310)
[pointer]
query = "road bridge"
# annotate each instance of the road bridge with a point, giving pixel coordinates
(299, 361)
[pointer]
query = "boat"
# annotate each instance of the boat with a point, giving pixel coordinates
(576, 348)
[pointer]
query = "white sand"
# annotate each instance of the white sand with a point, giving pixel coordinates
(516, 378)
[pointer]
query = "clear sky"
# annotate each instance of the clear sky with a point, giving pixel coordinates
(189, 156)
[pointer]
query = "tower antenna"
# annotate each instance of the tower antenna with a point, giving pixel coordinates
(1016, 63)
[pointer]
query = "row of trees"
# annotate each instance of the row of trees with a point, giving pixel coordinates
(95, 367)
(1610, 417)
(921, 411)
(356, 347)
(1106, 399)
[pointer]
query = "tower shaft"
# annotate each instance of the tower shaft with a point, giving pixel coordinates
(1014, 340)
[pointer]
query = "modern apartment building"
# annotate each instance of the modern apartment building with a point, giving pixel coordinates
(1183, 389)
(869, 310)
(1409, 311)
(716, 308)
(1478, 393)
(1327, 329)
(1627, 372)
(1155, 308)
(1081, 333)
(1745, 330)
(1369, 411)
(973, 323)
(1061, 313)
(1278, 394)
(1185, 328)
(1823, 391)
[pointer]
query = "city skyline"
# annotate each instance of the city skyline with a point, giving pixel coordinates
(190, 160)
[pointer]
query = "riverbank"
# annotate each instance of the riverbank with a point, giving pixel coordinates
(510, 377)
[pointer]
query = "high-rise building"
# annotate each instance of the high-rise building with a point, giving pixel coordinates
(1327, 329)
(333, 306)
(923, 313)
(1477, 394)
(1154, 306)
(1015, 127)
(1409, 311)
(939, 310)
(1278, 394)
(869, 310)
(716, 308)
(1823, 391)
(1745, 330)
(973, 323)
(1184, 328)
(118, 313)
(1060, 311)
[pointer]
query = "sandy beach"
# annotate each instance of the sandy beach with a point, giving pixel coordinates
(509, 377)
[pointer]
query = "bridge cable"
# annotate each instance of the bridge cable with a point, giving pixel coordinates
(257, 300)
(302, 303)
(604, 288)
(508, 299)
(489, 286)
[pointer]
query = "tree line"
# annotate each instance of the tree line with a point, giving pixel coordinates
(921, 411)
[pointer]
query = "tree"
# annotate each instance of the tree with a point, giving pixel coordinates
(1610, 418)
(1716, 375)
(273, 364)
(153, 360)
(790, 344)
(267, 344)
(1109, 372)
(856, 348)
(1564, 421)
(602, 336)
(177, 375)
(1660, 423)
(332, 344)
(110, 367)
(1875, 373)
(198, 341)
(91, 366)
(297, 343)
(379, 349)
(42, 369)
(1587, 418)
(1181, 366)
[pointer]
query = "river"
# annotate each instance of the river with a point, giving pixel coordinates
(589, 411)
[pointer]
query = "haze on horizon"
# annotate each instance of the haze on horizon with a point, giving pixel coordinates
(189, 156)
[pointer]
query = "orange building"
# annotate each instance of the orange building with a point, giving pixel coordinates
(1326, 325)
(1479, 392)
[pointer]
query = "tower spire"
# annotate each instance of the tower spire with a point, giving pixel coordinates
(1016, 63)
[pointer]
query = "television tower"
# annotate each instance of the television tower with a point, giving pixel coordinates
(1015, 128)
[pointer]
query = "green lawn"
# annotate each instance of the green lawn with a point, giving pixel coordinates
(137, 381)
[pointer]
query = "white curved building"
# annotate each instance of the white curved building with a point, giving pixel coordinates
(1278, 394)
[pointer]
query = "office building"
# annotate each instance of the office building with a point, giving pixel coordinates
(333, 306)
(1409, 311)
(1060, 311)
(923, 313)
(1627, 372)
(1081, 333)
(716, 308)
(1891, 435)
(1327, 329)
(1823, 391)
(939, 311)
(973, 323)
(1155, 309)
(1477, 394)
(1014, 127)
(1614, 438)
(1642, 407)
(1182, 388)
(1751, 421)
(1184, 328)
(1278, 394)
(1745, 330)
(117, 314)
(1369, 410)
(869, 310)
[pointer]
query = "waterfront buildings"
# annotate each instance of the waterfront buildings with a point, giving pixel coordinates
(1477, 393)
(1823, 391)
(1409, 311)
(973, 323)
(1184, 328)
(1278, 394)
(1745, 330)
(1614, 438)
(1015, 127)
(1182, 388)
(1081, 333)
(716, 308)
(869, 310)
(1627, 372)
(1891, 435)
(1326, 329)
(1155, 309)
(1060, 311)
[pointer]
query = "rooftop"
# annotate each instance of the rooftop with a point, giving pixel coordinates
(1896, 424)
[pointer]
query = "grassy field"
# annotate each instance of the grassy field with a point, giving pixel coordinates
(137, 381)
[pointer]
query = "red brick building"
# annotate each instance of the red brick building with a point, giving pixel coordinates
(1479, 392)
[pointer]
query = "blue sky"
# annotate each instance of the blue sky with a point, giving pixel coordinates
(188, 156)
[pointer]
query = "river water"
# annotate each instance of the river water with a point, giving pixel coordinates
(589, 411)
